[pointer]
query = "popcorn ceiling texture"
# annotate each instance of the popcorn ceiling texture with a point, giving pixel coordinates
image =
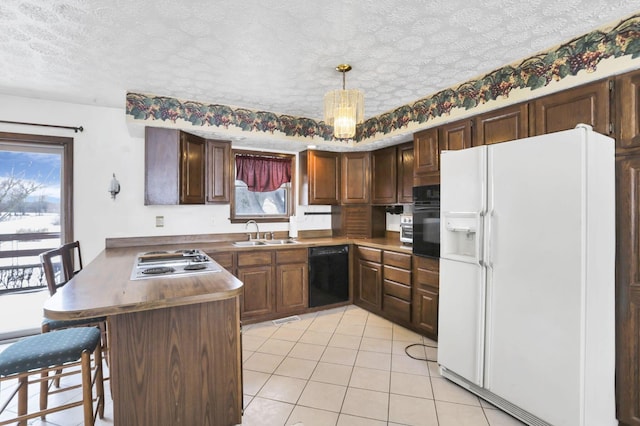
(278, 57)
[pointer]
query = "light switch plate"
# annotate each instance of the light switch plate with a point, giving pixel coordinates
(159, 221)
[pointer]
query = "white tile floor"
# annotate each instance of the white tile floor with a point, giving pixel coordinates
(339, 367)
(347, 366)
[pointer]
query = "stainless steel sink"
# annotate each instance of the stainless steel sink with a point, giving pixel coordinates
(248, 243)
(279, 242)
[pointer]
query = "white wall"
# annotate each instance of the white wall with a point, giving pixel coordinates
(105, 147)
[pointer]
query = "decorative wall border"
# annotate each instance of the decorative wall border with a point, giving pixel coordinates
(583, 53)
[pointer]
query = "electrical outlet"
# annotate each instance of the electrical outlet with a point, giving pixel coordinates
(159, 221)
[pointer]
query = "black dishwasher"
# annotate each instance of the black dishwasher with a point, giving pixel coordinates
(328, 275)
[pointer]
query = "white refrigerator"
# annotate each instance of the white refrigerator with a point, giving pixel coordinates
(526, 314)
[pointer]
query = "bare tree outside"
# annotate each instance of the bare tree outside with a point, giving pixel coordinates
(14, 191)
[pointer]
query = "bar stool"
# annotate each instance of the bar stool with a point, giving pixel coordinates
(70, 261)
(43, 353)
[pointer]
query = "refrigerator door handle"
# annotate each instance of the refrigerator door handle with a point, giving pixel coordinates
(489, 239)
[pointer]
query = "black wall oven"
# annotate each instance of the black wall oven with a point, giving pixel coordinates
(426, 220)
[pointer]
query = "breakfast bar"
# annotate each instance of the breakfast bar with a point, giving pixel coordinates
(174, 341)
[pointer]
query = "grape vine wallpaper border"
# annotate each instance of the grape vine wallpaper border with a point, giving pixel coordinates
(583, 53)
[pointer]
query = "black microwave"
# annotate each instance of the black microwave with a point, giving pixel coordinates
(426, 221)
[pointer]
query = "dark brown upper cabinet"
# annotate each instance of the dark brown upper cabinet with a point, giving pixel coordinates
(502, 125)
(384, 177)
(192, 172)
(405, 173)
(588, 104)
(174, 167)
(628, 111)
(355, 177)
(319, 177)
(428, 143)
(426, 149)
(456, 135)
(219, 171)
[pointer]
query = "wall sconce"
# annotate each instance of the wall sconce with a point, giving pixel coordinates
(114, 187)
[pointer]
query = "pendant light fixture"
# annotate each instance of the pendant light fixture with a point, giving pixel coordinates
(343, 109)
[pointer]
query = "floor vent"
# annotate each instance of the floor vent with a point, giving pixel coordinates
(286, 320)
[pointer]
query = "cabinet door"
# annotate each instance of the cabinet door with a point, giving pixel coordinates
(219, 171)
(258, 290)
(224, 259)
(455, 135)
(355, 179)
(628, 289)
(292, 287)
(588, 104)
(192, 169)
(425, 295)
(323, 175)
(426, 152)
(358, 221)
(425, 314)
(628, 110)
(383, 176)
(405, 173)
(161, 166)
(502, 125)
(369, 285)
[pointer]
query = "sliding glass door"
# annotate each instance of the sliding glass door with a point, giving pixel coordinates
(35, 215)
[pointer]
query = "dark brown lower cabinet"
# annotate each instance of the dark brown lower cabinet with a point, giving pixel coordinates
(396, 302)
(628, 290)
(258, 290)
(275, 282)
(255, 270)
(425, 295)
(369, 285)
(292, 280)
(368, 279)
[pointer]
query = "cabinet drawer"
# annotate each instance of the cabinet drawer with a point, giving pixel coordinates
(398, 290)
(426, 277)
(400, 260)
(250, 258)
(292, 256)
(371, 254)
(224, 259)
(396, 308)
(396, 274)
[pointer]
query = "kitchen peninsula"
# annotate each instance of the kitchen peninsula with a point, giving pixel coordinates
(174, 342)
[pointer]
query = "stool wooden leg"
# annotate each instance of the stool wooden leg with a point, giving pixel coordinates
(87, 394)
(44, 392)
(23, 396)
(99, 381)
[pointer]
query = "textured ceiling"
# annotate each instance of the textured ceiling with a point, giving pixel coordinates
(275, 55)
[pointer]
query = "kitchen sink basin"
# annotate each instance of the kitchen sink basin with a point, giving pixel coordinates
(248, 243)
(275, 242)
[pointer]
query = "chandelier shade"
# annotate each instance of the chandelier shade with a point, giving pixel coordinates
(344, 109)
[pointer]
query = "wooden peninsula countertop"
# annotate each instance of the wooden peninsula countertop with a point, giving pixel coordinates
(104, 288)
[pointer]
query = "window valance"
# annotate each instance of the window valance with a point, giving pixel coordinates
(261, 173)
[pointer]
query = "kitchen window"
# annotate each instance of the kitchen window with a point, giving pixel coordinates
(263, 187)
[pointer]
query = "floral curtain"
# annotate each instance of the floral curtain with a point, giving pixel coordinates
(263, 174)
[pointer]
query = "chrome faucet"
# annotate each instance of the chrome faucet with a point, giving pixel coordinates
(246, 225)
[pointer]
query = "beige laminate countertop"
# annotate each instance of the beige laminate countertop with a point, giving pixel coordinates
(104, 287)
(385, 243)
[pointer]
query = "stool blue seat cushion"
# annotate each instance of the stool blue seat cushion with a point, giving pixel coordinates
(57, 324)
(48, 349)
